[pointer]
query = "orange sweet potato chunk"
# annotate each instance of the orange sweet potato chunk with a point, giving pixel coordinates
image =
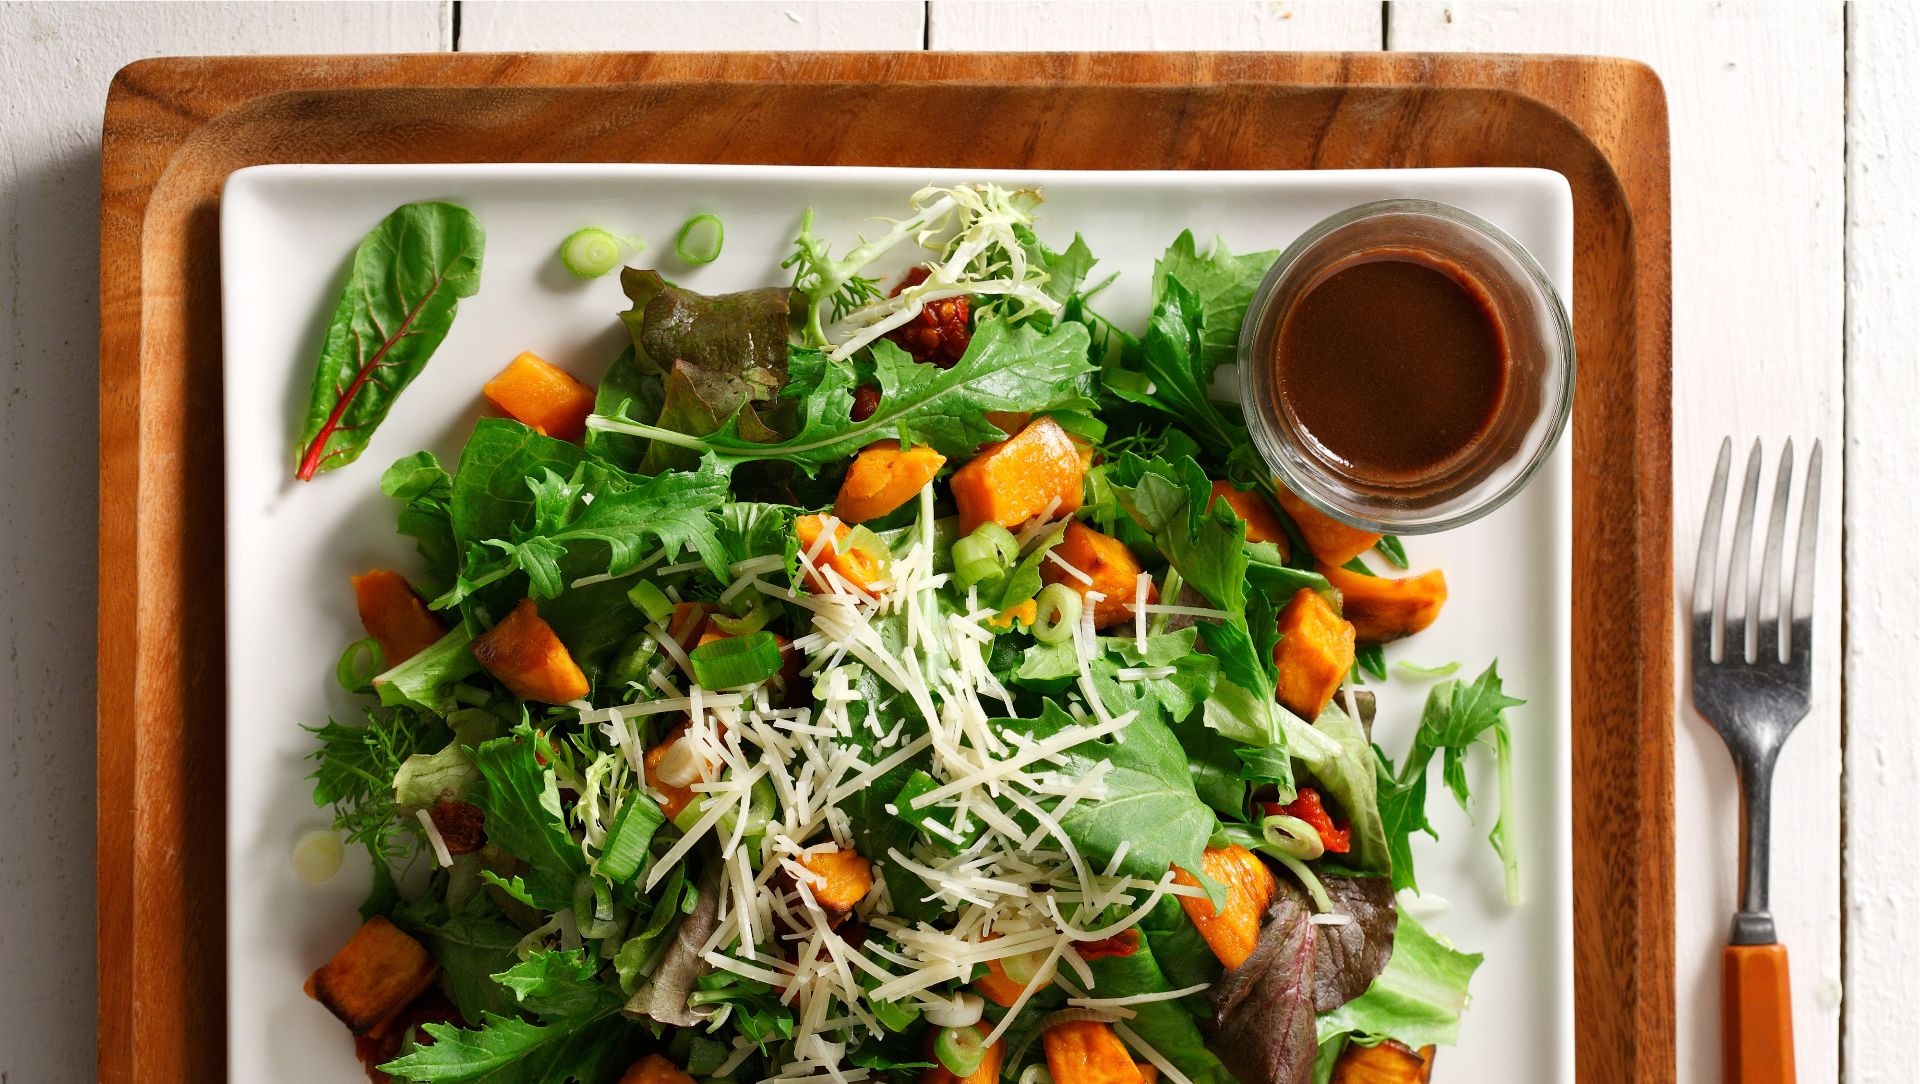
(1262, 524)
(845, 878)
(654, 1069)
(1088, 1052)
(1330, 540)
(1235, 929)
(1023, 613)
(1383, 608)
(393, 615)
(1315, 654)
(535, 393)
(990, 1061)
(1014, 480)
(378, 973)
(1108, 563)
(1387, 1063)
(523, 652)
(883, 477)
(674, 797)
(857, 566)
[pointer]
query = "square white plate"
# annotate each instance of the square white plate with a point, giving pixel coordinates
(287, 235)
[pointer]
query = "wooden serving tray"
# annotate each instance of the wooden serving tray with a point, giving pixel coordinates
(175, 128)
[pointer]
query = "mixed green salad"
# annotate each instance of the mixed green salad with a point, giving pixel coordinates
(878, 678)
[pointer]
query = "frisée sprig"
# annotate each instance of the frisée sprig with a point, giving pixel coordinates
(970, 228)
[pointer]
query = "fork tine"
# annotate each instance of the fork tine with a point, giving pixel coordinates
(1766, 610)
(1739, 591)
(1809, 534)
(1703, 564)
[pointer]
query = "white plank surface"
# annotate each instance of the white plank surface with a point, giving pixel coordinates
(503, 25)
(1755, 94)
(55, 63)
(996, 25)
(1883, 584)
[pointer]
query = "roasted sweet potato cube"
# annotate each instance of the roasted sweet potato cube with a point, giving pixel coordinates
(1383, 608)
(841, 553)
(1011, 481)
(842, 878)
(883, 477)
(1232, 931)
(1262, 524)
(378, 973)
(523, 652)
(654, 1069)
(393, 615)
(1315, 654)
(1387, 1063)
(1105, 561)
(990, 1061)
(1088, 1052)
(531, 391)
(1330, 540)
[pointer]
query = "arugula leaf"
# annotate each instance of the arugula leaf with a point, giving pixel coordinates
(555, 983)
(426, 487)
(1149, 800)
(470, 942)
(512, 1050)
(521, 801)
(1222, 284)
(1025, 580)
(1166, 700)
(1066, 270)
(1417, 1000)
(1457, 717)
(624, 514)
(1347, 778)
(875, 830)
(1004, 369)
(1393, 550)
(398, 303)
(1201, 538)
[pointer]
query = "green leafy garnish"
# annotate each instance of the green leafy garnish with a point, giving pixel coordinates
(407, 280)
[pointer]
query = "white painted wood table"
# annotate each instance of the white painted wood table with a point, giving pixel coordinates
(1795, 157)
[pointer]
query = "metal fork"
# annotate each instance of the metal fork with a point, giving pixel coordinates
(1752, 679)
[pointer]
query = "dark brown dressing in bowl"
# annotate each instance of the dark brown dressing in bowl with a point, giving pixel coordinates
(1394, 363)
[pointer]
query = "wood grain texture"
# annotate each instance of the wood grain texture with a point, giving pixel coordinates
(175, 129)
(1883, 582)
(55, 64)
(992, 25)
(1757, 121)
(496, 25)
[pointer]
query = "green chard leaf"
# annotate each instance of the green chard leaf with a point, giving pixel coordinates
(407, 279)
(1004, 369)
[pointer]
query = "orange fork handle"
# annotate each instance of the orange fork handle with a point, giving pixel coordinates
(1757, 1016)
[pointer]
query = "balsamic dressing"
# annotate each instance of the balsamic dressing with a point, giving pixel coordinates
(1394, 363)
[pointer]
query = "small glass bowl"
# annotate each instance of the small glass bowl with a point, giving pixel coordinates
(1526, 425)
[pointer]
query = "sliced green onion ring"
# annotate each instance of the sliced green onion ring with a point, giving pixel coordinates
(592, 252)
(736, 661)
(1059, 612)
(700, 239)
(1001, 539)
(758, 612)
(1025, 967)
(975, 562)
(625, 853)
(760, 810)
(630, 662)
(960, 1050)
(1294, 836)
(359, 664)
(648, 598)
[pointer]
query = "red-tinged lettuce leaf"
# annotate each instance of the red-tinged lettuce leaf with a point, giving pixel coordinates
(1263, 1028)
(697, 359)
(407, 279)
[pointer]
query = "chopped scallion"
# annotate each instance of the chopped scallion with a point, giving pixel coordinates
(752, 621)
(626, 847)
(358, 665)
(960, 1050)
(630, 662)
(1059, 612)
(651, 600)
(700, 239)
(736, 661)
(592, 252)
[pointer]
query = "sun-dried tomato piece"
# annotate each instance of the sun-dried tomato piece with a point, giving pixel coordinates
(1124, 943)
(463, 828)
(1306, 806)
(940, 333)
(866, 400)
